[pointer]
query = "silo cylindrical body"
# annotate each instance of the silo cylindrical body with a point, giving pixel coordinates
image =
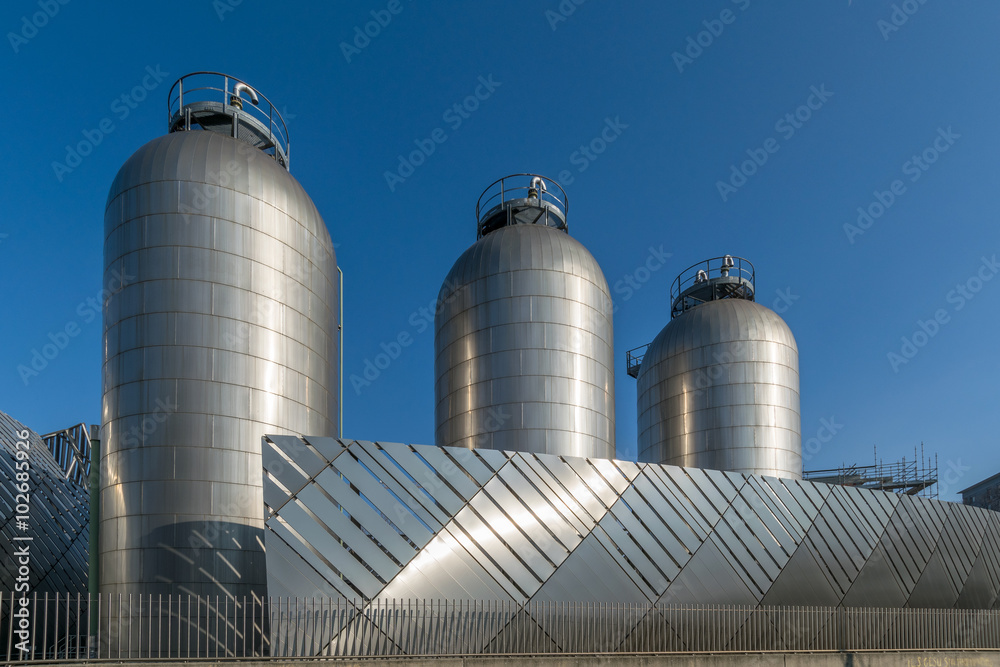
(719, 388)
(220, 327)
(523, 345)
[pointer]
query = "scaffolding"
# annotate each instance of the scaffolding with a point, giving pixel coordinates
(915, 477)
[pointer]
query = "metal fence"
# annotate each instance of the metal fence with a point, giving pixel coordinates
(74, 627)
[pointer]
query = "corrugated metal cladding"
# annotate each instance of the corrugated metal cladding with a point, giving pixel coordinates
(370, 520)
(719, 388)
(221, 326)
(58, 520)
(524, 350)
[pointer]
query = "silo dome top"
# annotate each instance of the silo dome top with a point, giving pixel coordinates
(215, 102)
(725, 277)
(513, 202)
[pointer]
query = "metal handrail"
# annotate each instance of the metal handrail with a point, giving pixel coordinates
(633, 359)
(268, 116)
(742, 268)
(484, 206)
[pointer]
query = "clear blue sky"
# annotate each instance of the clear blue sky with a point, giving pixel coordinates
(888, 89)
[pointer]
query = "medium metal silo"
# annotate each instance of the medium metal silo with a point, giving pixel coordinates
(719, 386)
(222, 327)
(523, 344)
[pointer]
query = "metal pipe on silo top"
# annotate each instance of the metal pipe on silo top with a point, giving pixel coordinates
(524, 349)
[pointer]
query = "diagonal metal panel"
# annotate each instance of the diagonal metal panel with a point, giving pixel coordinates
(629, 556)
(448, 470)
(710, 578)
(978, 590)
(394, 515)
(487, 544)
(647, 529)
(802, 583)
(876, 585)
(395, 480)
(500, 512)
(934, 589)
(377, 521)
(433, 483)
(748, 557)
(299, 453)
(991, 547)
(589, 574)
(299, 578)
(283, 478)
(960, 542)
(473, 462)
(607, 487)
(575, 487)
(842, 537)
(769, 504)
(548, 485)
(328, 448)
(671, 523)
(312, 553)
(445, 570)
(343, 494)
(541, 529)
(618, 474)
(909, 539)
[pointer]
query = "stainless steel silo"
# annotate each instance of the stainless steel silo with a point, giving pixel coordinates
(523, 344)
(719, 386)
(222, 327)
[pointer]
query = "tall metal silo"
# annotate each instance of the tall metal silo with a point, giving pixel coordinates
(719, 386)
(523, 344)
(221, 327)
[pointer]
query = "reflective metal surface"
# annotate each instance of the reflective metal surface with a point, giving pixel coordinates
(456, 524)
(221, 326)
(719, 388)
(524, 351)
(44, 526)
